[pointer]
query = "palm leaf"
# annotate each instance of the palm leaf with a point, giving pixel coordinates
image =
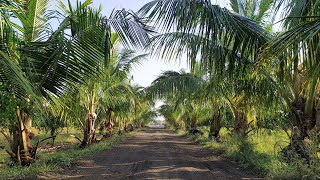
(11, 73)
(171, 83)
(132, 29)
(214, 25)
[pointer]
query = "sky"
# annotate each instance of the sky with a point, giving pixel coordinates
(152, 67)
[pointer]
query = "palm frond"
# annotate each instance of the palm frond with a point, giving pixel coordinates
(127, 59)
(171, 83)
(214, 25)
(132, 29)
(13, 77)
(11, 73)
(34, 16)
(59, 62)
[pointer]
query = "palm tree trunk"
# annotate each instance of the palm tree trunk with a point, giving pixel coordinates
(52, 133)
(108, 124)
(302, 125)
(193, 122)
(215, 126)
(317, 126)
(89, 131)
(241, 123)
(21, 147)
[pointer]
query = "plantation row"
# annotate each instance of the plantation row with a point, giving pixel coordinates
(244, 76)
(75, 76)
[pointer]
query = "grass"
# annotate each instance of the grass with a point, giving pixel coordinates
(58, 159)
(260, 154)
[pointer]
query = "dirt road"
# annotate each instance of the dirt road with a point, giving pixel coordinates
(153, 154)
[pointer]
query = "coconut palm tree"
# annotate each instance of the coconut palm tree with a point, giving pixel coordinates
(243, 102)
(52, 61)
(192, 95)
(200, 91)
(13, 72)
(226, 44)
(110, 89)
(182, 89)
(294, 54)
(169, 113)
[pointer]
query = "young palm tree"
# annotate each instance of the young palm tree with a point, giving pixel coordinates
(13, 39)
(110, 89)
(141, 106)
(193, 95)
(170, 115)
(181, 87)
(294, 54)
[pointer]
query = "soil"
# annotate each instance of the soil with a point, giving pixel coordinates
(153, 153)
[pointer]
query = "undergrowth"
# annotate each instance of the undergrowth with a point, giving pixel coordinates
(260, 153)
(58, 159)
